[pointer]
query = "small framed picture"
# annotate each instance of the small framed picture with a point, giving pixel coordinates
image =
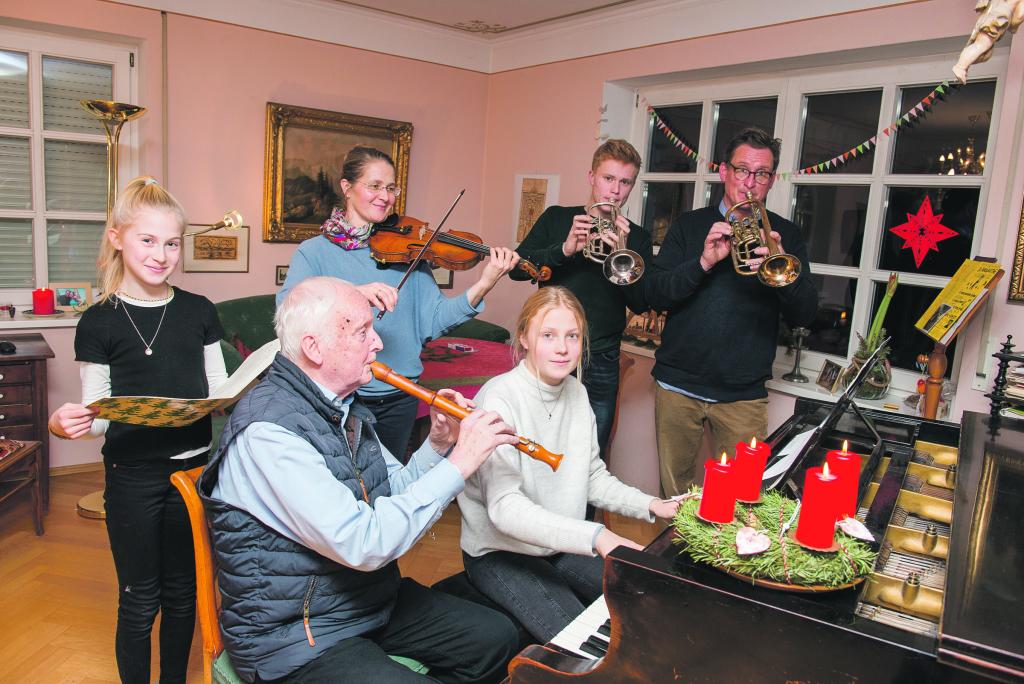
(829, 375)
(225, 250)
(534, 192)
(445, 278)
(280, 273)
(72, 296)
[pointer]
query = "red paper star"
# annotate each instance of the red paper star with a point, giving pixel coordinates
(923, 232)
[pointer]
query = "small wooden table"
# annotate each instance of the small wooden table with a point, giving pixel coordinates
(21, 469)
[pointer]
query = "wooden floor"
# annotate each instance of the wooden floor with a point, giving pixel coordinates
(58, 592)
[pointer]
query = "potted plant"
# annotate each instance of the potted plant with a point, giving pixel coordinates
(876, 384)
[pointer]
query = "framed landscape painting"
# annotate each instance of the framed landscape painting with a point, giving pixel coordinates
(305, 149)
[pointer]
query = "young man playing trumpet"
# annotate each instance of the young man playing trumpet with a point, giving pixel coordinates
(558, 239)
(719, 340)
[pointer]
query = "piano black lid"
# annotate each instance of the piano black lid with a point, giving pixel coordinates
(983, 613)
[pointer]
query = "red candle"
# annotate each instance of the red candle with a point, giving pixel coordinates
(816, 527)
(42, 301)
(718, 497)
(846, 465)
(750, 462)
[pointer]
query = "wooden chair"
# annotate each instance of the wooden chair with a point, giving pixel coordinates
(217, 667)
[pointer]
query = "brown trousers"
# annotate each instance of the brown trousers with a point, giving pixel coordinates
(680, 422)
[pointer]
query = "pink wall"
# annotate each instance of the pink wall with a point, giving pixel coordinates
(471, 130)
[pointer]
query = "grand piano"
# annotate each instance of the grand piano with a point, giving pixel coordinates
(944, 603)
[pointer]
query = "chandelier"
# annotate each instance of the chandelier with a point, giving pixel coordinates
(964, 161)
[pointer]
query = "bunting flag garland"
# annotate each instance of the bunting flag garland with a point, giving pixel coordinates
(908, 119)
(923, 232)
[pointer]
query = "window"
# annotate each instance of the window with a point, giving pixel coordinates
(53, 156)
(844, 215)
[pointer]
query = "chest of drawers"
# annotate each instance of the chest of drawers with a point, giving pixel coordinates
(23, 407)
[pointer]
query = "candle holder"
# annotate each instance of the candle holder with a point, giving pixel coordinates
(798, 337)
(113, 115)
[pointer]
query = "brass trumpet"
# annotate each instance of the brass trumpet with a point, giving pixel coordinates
(621, 266)
(748, 233)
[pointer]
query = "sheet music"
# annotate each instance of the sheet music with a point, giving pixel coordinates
(786, 458)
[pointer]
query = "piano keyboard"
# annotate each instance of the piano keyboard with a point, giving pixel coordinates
(589, 634)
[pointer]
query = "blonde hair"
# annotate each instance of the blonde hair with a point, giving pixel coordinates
(618, 150)
(541, 302)
(140, 193)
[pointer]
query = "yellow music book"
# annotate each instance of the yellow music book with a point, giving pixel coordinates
(964, 292)
(171, 412)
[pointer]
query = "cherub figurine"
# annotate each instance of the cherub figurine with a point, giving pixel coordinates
(996, 17)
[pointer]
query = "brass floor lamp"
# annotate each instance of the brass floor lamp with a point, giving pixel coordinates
(113, 115)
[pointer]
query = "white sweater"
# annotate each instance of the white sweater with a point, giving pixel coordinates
(516, 503)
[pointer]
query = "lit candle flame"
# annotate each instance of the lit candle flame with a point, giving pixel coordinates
(824, 470)
(753, 442)
(846, 445)
(725, 459)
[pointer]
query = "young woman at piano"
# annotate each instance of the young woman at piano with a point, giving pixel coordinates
(526, 541)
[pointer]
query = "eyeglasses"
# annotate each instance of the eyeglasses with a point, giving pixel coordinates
(376, 188)
(741, 173)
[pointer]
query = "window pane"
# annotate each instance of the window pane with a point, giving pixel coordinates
(663, 155)
(733, 117)
(907, 305)
(15, 173)
(959, 209)
(67, 81)
(831, 219)
(16, 253)
(13, 89)
(663, 202)
(830, 332)
(72, 248)
(960, 122)
(714, 193)
(76, 175)
(837, 122)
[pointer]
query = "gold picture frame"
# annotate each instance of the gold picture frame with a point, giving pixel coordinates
(72, 297)
(830, 375)
(304, 152)
(1015, 293)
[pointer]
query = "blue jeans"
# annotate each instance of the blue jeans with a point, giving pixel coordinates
(151, 540)
(544, 593)
(601, 378)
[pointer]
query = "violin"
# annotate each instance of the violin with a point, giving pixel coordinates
(400, 238)
(450, 408)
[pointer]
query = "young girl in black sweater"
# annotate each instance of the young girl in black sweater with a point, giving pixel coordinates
(146, 337)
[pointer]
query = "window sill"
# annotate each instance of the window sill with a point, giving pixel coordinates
(894, 398)
(635, 350)
(20, 322)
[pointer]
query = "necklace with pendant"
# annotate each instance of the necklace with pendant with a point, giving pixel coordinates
(147, 345)
(551, 411)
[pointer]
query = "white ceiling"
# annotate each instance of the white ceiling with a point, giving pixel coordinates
(487, 16)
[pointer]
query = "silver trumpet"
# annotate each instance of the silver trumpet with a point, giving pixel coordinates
(621, 266)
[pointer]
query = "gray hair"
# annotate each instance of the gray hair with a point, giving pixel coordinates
(307, 309)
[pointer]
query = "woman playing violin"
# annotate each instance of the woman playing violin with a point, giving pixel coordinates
(421, 313)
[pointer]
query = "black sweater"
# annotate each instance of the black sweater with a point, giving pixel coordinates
(604, 302)
(177, 367)
(720, 332)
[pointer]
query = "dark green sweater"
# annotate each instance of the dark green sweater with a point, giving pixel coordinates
(604, 303)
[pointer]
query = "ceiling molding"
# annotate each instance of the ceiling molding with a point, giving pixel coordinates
(617, 28)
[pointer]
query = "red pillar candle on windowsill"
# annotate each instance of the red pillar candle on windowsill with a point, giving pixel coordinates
(816, 527)
(42, 301)
(846, 465)
(750, 462)
(718, 496)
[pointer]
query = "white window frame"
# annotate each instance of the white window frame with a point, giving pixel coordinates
(125, 88)
(791, 89)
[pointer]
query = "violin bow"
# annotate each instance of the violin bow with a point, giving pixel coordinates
(419, 257)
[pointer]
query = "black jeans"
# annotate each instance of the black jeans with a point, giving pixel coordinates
(395, 414)
(601, 378)
(458, 640)
(151, 539)
(544, 593)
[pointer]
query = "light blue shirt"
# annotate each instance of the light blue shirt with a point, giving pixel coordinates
(283, 482)
(422, 313)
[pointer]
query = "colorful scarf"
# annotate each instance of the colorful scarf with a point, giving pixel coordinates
(338, 230)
